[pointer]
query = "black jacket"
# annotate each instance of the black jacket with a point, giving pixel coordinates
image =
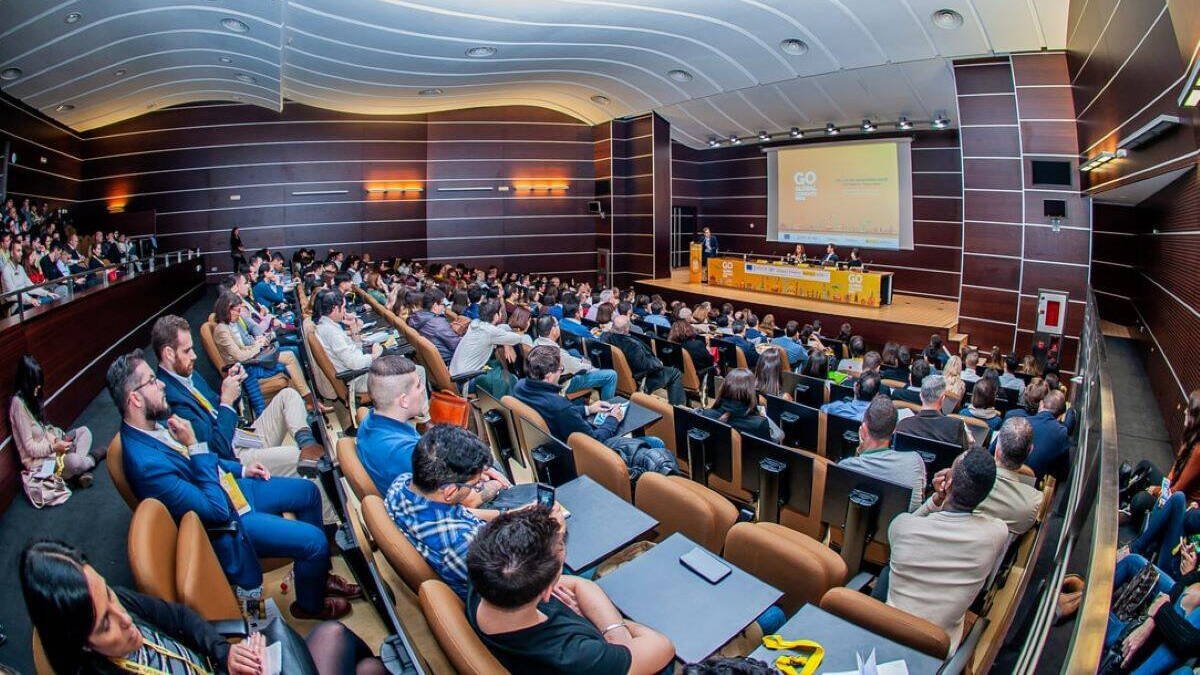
(563, 416)
(641, 359)
(49, 268)
(745, 421)
(935, 425)
(701, 357)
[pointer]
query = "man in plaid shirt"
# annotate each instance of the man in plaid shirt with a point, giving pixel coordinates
(432, 505)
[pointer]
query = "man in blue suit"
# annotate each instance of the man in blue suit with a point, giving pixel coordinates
(169, 464)
(213, 417)
(710, 245)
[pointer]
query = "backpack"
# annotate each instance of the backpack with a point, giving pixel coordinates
(640, 457)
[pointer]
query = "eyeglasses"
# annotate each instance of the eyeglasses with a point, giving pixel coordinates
(153, 379)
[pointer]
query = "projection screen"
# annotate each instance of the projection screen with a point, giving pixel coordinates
(856, 193)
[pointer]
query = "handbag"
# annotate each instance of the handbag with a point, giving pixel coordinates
(1130, 601)
(51, 490)
(295, 659)
(267, 359)
(447, 408)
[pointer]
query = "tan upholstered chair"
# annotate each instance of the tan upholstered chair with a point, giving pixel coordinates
(116, 470)
(602, 464)
(360, 481)
(664, 429)
(520, 412)
(683, 505)
(626, 385)
(199, 578)
(320, 357)
(269, 385)
(447, 619)
(802, 567)
(394, 546)
(151, 550)
(887, 621)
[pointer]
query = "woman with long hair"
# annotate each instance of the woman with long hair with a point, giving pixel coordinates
(955, 386)
(817, 365)
(37, 440)
(604, 316)
(696, 346)
(235, 345)
(1171, 519)
(768, 372)
(87, 626)
(737, 405)
(519, 320)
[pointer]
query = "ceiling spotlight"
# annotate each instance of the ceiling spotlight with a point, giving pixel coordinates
(233, 25)
(226, 59)
(63, 107)
(713, 142)
(679, 75)
(904, 124)
(734, 140)
(73, 17)
(764, 136)
(796, 133)
(248, 79)
(947, 19)
(481, 52)
(868, 126)
(10, 73)
(120, 72)
(599, 99)
(831, 130)
(430, 92)
(794, 47)
(941, 122)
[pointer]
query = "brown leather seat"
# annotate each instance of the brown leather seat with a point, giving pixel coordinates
(602, 464)
(521, 411)
(802, 567)
(116, 470)
(664, 429)
(199, 578)
(887, 621)
(683, 505)
(321, 358)
(692, 386)
(447, 619)
(151, 550)
(360, 481)
(436, 371)
(626, 385)
(394, 546)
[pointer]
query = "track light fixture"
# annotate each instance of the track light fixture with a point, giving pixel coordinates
(734, 140)
(903, 124)
(796, 133)
(764, 136)
(831, 130)
(1101, 159)
(868, 126)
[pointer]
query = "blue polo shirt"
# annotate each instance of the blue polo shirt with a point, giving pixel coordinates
(385, 448)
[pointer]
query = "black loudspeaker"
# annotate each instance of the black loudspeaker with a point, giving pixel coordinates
(596, 207)
(1054, 208)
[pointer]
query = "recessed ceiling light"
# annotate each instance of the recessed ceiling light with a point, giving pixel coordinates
(867, 125)
(226, 59)
(947, 19)
(794, 47)
(600, 100)
(248, 79)
(120, 72)
(679, 75)
(64, 107)
(430, 92)
(232, 24)
(796, 133)
(713, 142)
(10, 73)
(941, 122)
(481, 52)
(73, 17)
(831, 130)
(734, 140)
(904, 123)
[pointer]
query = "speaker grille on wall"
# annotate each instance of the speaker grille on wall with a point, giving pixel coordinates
(1054, 208)
(596, 207)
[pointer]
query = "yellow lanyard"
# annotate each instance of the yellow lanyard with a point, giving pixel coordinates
(787, 663)
(135, 667)
(203, 401)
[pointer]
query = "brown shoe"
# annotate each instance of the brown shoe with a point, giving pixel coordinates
(320, 407)
(310, 456)
(332, 608)
(336, 586)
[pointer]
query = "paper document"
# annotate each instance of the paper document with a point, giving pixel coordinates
(869, 667)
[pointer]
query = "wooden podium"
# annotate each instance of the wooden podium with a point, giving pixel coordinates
(696, 264)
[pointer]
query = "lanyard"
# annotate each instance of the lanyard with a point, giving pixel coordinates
(203, 401)
(787, 663)
(135, 667)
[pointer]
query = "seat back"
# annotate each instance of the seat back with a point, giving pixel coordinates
(683, 505)
(520, 412)
(356, 474)
(41, 664)
(602, 464)
(664, 429)
(977, 429)
(116, 470)
(626, 385)
(887, 621)
(199, 578)
(435, 368)
(691, 379)
(810, 523)
(395, 547)
(447, 619)
(321, 357)
(800, 566)
(210, 345)
(151, 550)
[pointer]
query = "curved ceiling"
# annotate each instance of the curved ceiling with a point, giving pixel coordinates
(88, 63)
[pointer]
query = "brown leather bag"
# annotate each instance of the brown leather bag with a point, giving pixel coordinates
(447, 408)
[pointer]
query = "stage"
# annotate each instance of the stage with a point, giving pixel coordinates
(910, 319)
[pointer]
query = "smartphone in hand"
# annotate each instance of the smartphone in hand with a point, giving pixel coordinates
(545, 495)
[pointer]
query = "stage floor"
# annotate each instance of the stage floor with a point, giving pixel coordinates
(910, 310)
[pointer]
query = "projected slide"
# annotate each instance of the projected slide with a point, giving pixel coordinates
(851, 194)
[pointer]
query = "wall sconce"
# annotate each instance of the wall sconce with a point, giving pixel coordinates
(1101, 159)
(384, 190)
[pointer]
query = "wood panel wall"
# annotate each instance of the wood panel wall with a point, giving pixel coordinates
(207, 168)
(1012, 111)
(1115, 259)
(728, 187)
(49, 164)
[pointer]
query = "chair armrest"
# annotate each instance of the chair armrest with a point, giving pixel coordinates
(463, 377)
(347, 375)
(230, 627)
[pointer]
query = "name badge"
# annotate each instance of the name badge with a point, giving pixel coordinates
(229, 484)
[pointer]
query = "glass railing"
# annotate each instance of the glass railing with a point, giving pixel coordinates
(25, 301)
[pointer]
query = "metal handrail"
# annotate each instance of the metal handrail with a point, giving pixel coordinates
(69, 281)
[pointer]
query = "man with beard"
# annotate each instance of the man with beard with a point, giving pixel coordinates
(247, 504)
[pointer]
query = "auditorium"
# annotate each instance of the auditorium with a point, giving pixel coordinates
(734, 337)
